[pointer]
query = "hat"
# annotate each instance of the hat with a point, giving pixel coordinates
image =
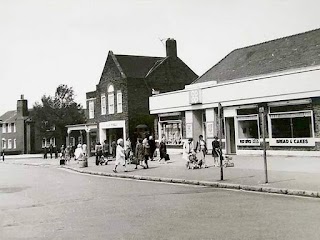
(119, 140)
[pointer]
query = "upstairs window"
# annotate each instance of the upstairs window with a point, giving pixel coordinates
(4, 128)
(103, 104)
(119, 102)
(9, 127)
(111, 99)
(91, 109)
(14, 143)
(14, 127)
(4, 143)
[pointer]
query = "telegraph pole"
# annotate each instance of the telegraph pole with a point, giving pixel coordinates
(220, 136)
(263, 115)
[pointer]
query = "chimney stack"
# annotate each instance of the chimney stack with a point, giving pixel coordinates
(171, 47)
(22, 107)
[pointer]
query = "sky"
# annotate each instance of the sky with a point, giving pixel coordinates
(45, 43)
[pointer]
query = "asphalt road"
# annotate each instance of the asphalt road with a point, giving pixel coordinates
(51, 203)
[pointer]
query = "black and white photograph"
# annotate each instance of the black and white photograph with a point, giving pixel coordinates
(159, 119)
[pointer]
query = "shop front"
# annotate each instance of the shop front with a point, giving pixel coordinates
(291, 113)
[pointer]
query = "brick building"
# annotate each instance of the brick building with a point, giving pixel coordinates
(275, 81)
(18, 132)
(120, 101)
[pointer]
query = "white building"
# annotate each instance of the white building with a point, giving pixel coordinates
(282, 76)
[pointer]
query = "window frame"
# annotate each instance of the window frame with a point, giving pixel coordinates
(110, 99)
(91, 109)
(103, 103)
(119, 102)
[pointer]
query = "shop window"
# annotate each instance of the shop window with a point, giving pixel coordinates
(91, 109)
(291, 125)
(248, 129)
(72, 141)
(43, 143)
(103, 104)
(171, 131)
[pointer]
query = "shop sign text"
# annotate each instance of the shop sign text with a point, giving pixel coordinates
(248, 142)
(292, 142)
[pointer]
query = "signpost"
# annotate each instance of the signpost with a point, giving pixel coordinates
(262, 114)
(220, 135)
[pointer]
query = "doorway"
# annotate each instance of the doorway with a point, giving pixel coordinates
(230, 136)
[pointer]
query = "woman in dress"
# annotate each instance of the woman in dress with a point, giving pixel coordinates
(120, 156)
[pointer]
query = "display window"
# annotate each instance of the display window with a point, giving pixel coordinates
(171, 131)
(248, 130)
(292, 128)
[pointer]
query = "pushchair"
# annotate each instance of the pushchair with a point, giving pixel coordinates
(193, 161)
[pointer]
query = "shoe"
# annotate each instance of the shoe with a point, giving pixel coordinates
(115, 171)
(126, 170)
(135, 168)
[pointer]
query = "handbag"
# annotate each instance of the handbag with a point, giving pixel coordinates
(166, 157)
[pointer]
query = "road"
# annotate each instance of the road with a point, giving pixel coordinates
(51, 203)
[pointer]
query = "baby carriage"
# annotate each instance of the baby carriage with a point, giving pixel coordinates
(193, 161)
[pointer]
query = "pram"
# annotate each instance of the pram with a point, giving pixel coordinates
(193, 161)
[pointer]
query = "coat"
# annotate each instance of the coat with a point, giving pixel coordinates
(120, 156)
(162, 150)
(139, 152)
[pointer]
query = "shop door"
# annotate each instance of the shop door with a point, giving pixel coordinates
(230, 136)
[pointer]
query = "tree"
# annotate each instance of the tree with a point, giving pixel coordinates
(52, 114)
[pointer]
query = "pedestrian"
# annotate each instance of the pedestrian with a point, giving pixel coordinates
(45, 152)
(201, 147)
(62, 152)
(146, 151)
(163, 151)
(113, 148)
(2, 154)
(188, 148)
(216, 152)
(78, 154)
(128, 150)
(51, 150)
(98, 151)
(55, 152)
(105, 149)
(84, 149)
(152, 145)
(120, 155)
(139, 153)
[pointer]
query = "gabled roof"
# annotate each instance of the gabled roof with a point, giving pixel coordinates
(296, 51)
(9, 117)
(137, 66)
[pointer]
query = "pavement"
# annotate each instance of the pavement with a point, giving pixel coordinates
(287, 175)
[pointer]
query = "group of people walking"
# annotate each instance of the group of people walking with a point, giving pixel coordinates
(144, 151)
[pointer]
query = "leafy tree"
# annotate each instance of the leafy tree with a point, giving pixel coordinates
(53, 113)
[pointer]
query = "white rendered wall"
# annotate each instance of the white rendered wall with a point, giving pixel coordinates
(293, 85)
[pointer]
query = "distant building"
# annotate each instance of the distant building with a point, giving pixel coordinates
(17, 133)
(120, 102)
(278, 78)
